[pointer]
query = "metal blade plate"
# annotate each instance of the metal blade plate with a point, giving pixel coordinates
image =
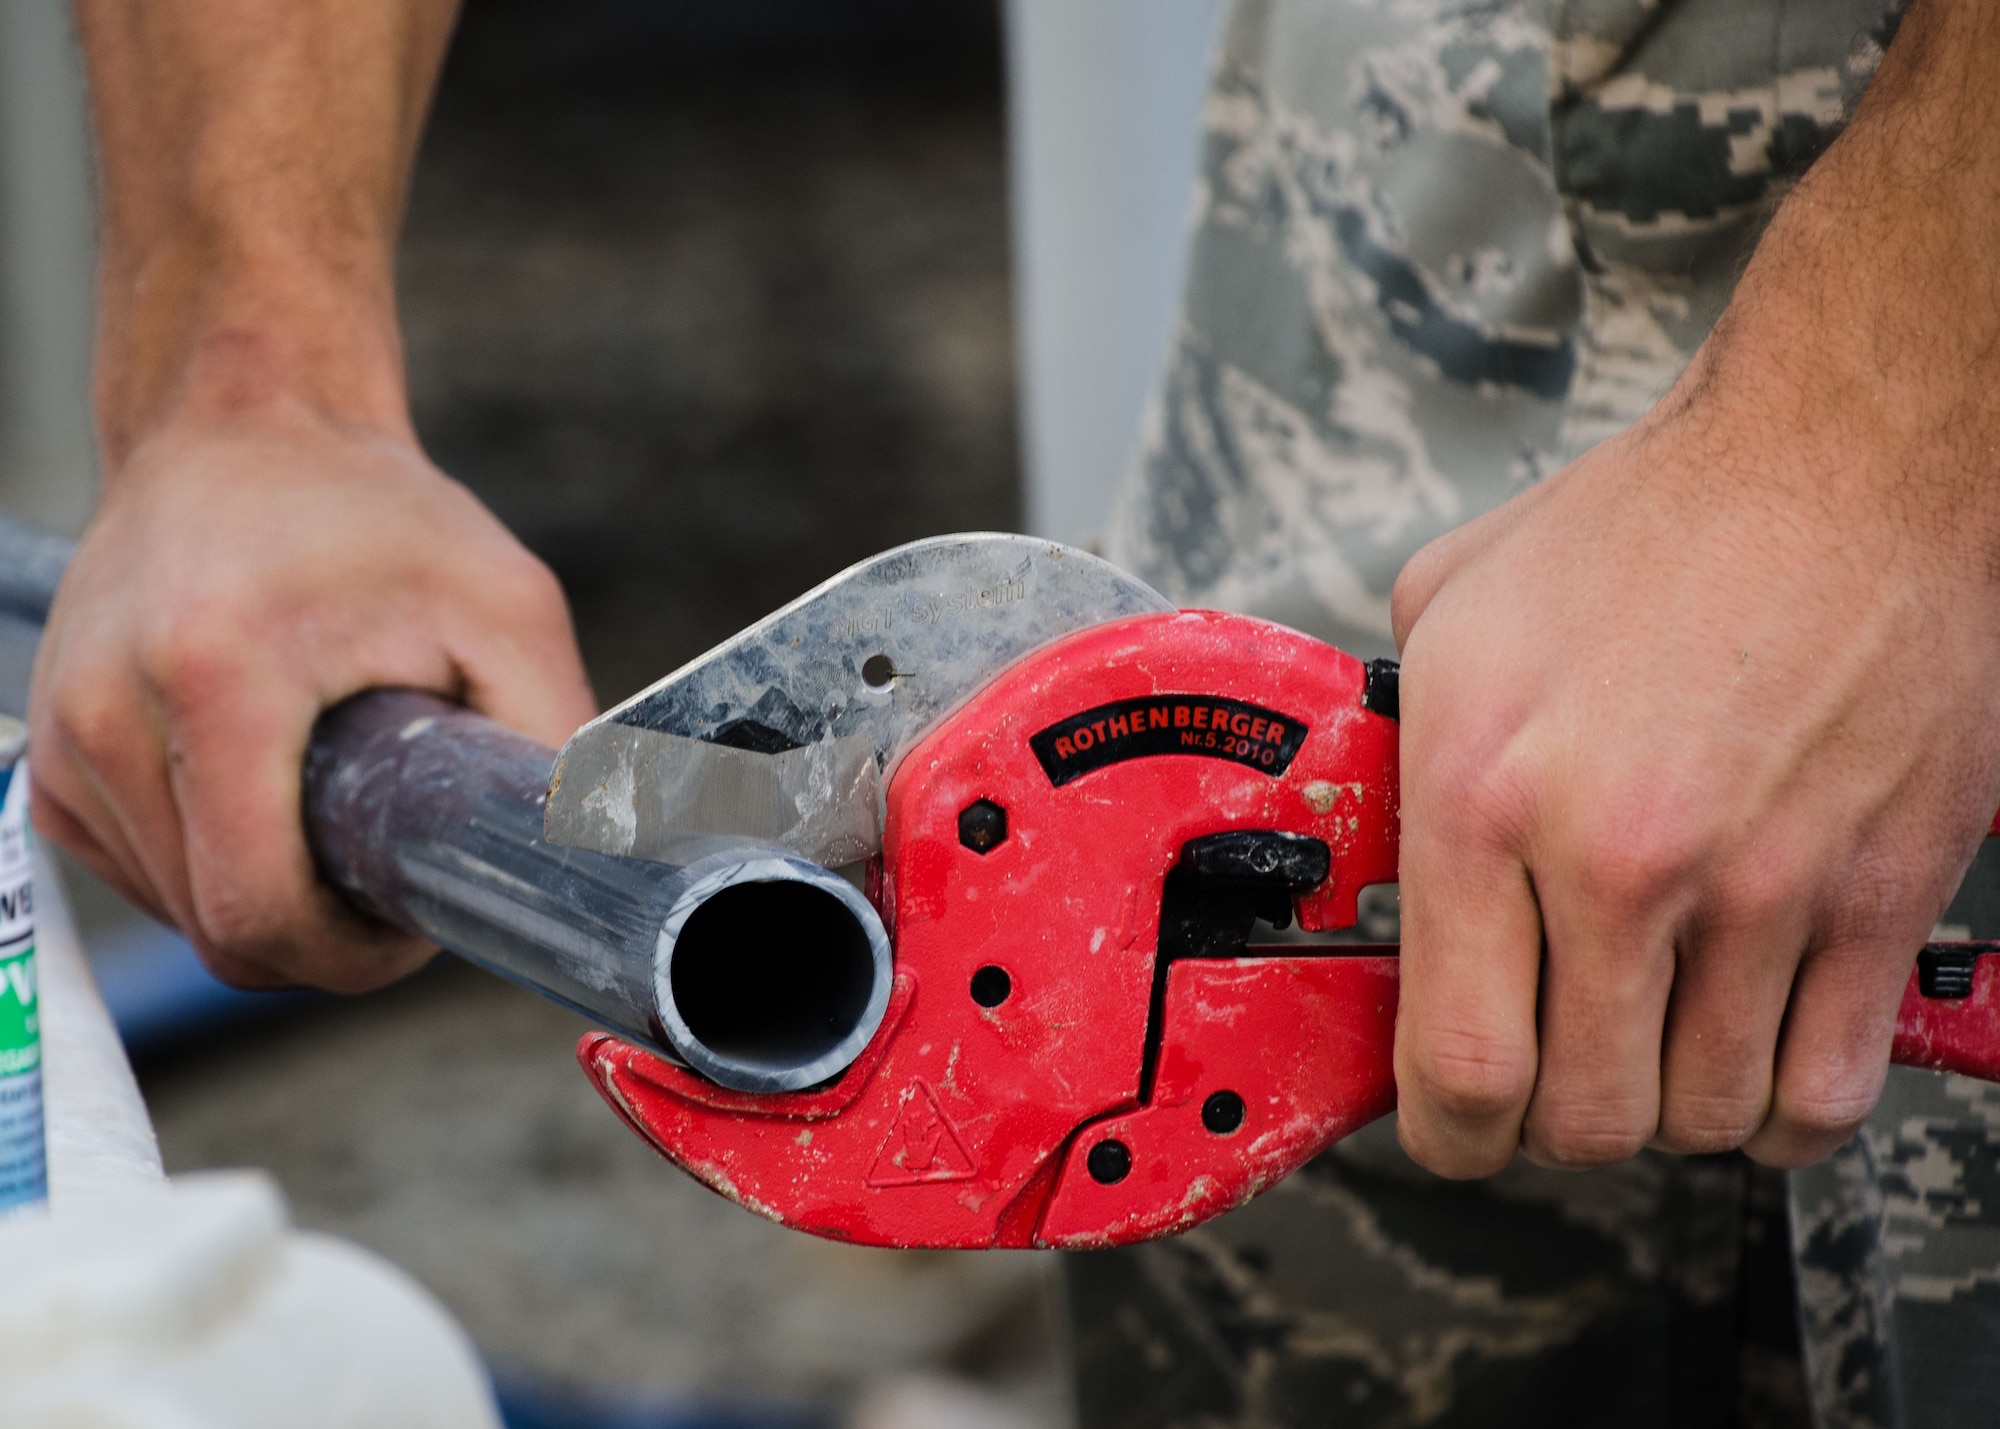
(788, 731)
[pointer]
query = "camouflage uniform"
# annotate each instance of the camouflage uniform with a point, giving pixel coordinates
(1441, 247)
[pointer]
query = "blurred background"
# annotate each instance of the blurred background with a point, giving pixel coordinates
(707, 302)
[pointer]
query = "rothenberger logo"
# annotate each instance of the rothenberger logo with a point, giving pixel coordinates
(1209, 725)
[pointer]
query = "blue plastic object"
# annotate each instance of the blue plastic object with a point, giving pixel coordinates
(525, 1405)
(160, 995)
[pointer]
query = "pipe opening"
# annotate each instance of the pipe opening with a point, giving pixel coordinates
(773, 975)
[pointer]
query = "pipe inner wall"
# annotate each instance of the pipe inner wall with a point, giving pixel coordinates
(771, 973)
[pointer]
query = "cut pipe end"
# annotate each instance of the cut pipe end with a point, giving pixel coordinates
(771, 973)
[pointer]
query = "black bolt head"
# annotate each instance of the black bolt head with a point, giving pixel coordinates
(1109, 1162)
(982, 826)
(1222, 1113)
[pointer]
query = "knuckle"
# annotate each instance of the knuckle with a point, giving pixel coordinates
(1415, 583)
(524, 583)
(1588, 1135)
(243, 895)
(1489, 802)
(1710, 1123)
(519, 595)
(1829, 1111)
(238, 928)
(1759, 893)
(92, 719)
(194, 651)
(1628, 869)
(1470, 1077)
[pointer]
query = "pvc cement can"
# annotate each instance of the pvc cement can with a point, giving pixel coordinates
(23, 1159)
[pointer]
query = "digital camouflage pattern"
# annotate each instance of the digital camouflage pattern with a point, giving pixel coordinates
(1363, 1291)
(1441, 248)
(1898, 1246)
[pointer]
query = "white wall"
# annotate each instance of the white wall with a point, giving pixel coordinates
(48, 245)
(1105, 105)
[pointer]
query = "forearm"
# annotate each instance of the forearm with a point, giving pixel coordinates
(255, 155)
(1869, 318)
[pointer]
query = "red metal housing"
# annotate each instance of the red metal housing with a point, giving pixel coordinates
(970, 1125)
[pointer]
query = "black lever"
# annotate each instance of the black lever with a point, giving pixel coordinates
(1225, 882)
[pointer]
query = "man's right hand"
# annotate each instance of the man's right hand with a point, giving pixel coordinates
(241, 577)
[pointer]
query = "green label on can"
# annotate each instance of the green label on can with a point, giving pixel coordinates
(23, 1161)
(20, 1018)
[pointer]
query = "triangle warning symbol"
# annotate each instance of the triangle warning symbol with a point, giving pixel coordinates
(922, 1147)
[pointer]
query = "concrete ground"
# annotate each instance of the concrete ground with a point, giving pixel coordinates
(706, 302)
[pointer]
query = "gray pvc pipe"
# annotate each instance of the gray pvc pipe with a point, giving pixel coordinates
(760, 970)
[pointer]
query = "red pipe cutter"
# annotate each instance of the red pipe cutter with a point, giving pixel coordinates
(1082, 1045)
